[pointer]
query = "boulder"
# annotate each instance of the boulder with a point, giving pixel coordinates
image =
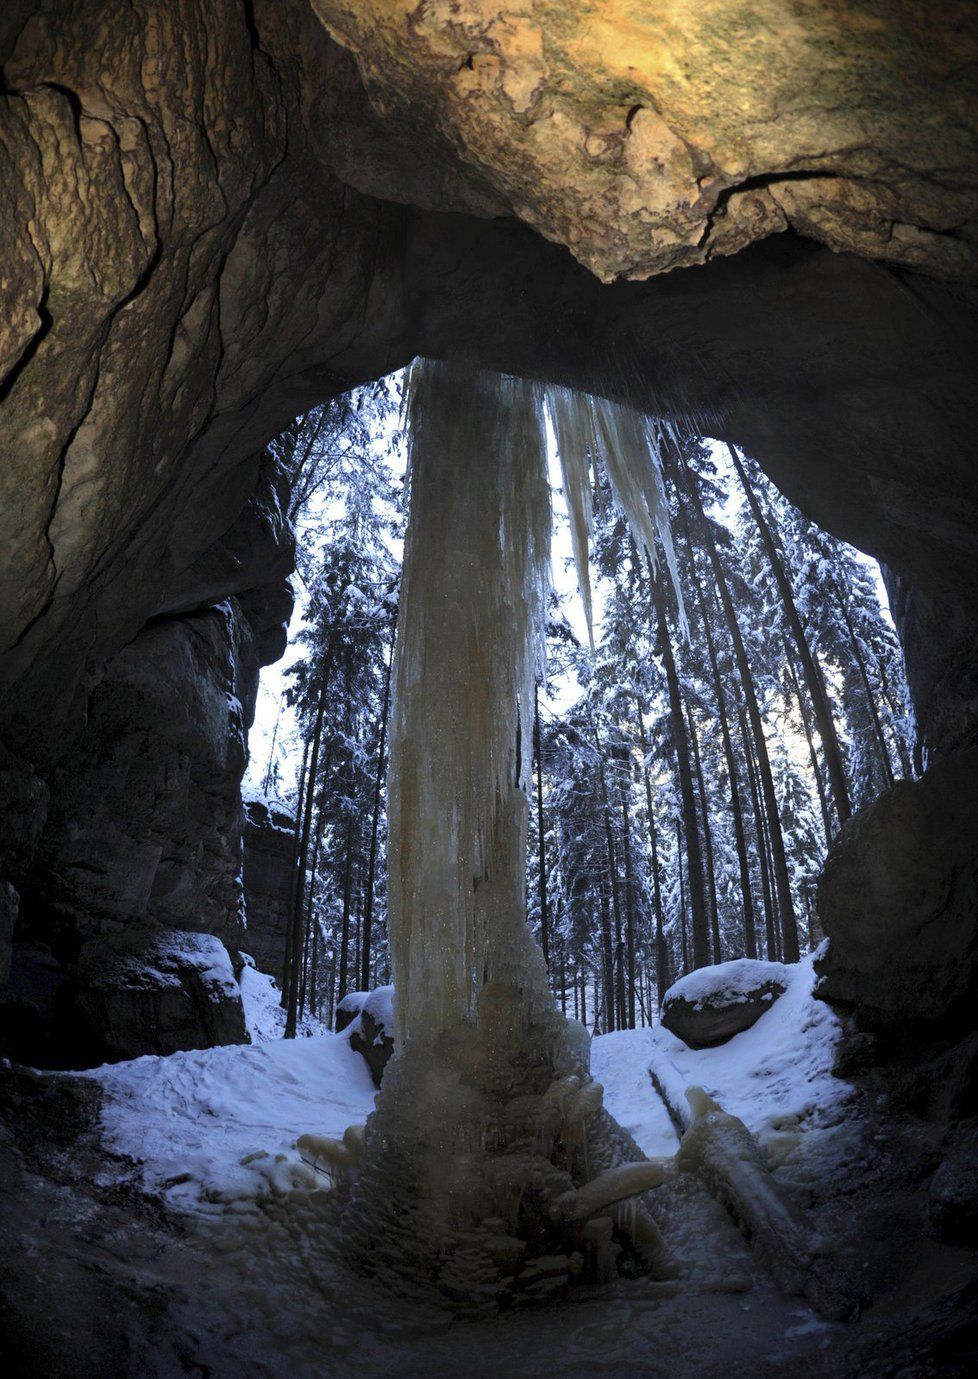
(713, 1004)
(368, 1018)
(898, 900)
(143, 992)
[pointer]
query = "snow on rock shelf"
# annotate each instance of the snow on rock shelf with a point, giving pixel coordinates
(711, 1005)
(774, 1076)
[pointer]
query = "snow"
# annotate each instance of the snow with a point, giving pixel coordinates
(207, 1126)
(726, 983)
(213, 1127)
(264, 1015)
(773, 1076)
(620, 1062)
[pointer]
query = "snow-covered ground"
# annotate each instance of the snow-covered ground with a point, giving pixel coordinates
(217, 1126)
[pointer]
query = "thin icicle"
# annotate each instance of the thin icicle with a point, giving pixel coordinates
(631, 453)
(469, 644)
(573, 423)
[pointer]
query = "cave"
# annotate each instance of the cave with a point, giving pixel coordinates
(756, 222)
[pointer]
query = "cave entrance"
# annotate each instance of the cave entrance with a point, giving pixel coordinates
(690, 765)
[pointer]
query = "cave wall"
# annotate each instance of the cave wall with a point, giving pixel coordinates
(220, 217)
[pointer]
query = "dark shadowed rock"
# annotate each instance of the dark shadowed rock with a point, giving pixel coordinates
(144, 824)
(713, 1004)
(157, 993)
(269, 868)
(953, 1194)
(9, 905)
(898, 900)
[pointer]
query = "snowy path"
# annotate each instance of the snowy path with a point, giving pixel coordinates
(620, 1062)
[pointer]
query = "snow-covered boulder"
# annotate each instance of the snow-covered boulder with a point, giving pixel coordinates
(349, 1008)
(143, 992)
(368, 1019)
(711, 1005)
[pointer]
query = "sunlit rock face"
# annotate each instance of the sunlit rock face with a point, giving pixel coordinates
(650, 137)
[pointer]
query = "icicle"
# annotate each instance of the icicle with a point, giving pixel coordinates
(631, 452)
(631, 457)
(573, 423)
(469, 641)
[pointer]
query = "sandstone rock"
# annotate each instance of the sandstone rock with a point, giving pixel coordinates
(940, 645)
(711, 1005)
(144, 824)
(349, 1008)
(646, 139)
(898, 900)
(144, 992)
(269, 868)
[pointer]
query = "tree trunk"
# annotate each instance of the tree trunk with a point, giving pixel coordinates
(345, 929)
(884, 754)
(711, 880)
(661, 950)
(697, 898)
(290, 915)
(901, 747)
(770, 918)
(368, 903)
(682, 898)
(298, 889)
(629, 901)
(782, 886)
(823, 802)
(746, 890)
(607, 954)
(618, 977)
(810, 669)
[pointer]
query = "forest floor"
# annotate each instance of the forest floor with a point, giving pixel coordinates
(161, 1222)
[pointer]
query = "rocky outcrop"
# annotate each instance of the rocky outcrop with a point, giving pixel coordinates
(711, 1005)
(647, 139)
(147, 992)
(953, 1194)
(940, 644)
(269, 871)
(898, 900)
